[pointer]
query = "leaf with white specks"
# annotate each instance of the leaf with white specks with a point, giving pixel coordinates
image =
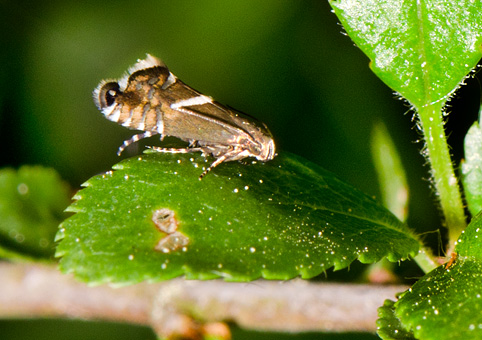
(153, 219)
(421, 49)
(447, 302)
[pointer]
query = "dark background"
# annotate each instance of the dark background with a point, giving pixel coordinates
(284, 62)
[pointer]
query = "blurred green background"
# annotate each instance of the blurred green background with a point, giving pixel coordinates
(284, 62)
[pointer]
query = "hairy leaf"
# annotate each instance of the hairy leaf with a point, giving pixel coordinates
(421, 49)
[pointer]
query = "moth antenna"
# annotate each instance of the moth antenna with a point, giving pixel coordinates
(134, 139)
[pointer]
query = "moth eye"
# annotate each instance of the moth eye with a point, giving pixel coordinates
(108, 94)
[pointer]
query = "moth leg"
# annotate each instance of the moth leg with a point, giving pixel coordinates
(213, 165)
(224, 155)
(134, 139)
(174, 150)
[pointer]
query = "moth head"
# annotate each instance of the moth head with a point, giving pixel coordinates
(108, 91)
(105, 96)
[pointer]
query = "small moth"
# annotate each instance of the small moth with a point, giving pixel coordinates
(151, 99)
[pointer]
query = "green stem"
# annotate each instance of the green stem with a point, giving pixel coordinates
(426, 261)
(443, 176)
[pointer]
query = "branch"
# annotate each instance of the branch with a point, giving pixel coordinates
(39, 291)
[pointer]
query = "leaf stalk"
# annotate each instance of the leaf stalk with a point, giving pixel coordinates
(443, 176)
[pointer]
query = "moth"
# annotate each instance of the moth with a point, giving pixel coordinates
(151, 99)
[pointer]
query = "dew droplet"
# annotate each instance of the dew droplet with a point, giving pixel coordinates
(22, 189)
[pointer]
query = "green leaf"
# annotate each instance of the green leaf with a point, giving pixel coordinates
(391, 175)
(388, 325)
(472, 169)
(447, 302)
(32, 204)
(469, 245)
(275, 220)
(421, 49)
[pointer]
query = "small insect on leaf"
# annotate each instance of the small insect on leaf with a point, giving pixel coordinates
(451, 261)
(150, 98)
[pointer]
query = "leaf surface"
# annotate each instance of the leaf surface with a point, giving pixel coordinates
(421, 49)
(276, 220)
(447, 302)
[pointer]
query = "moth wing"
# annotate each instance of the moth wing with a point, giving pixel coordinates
(143, 80)
(194, 116)
(197, 123)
